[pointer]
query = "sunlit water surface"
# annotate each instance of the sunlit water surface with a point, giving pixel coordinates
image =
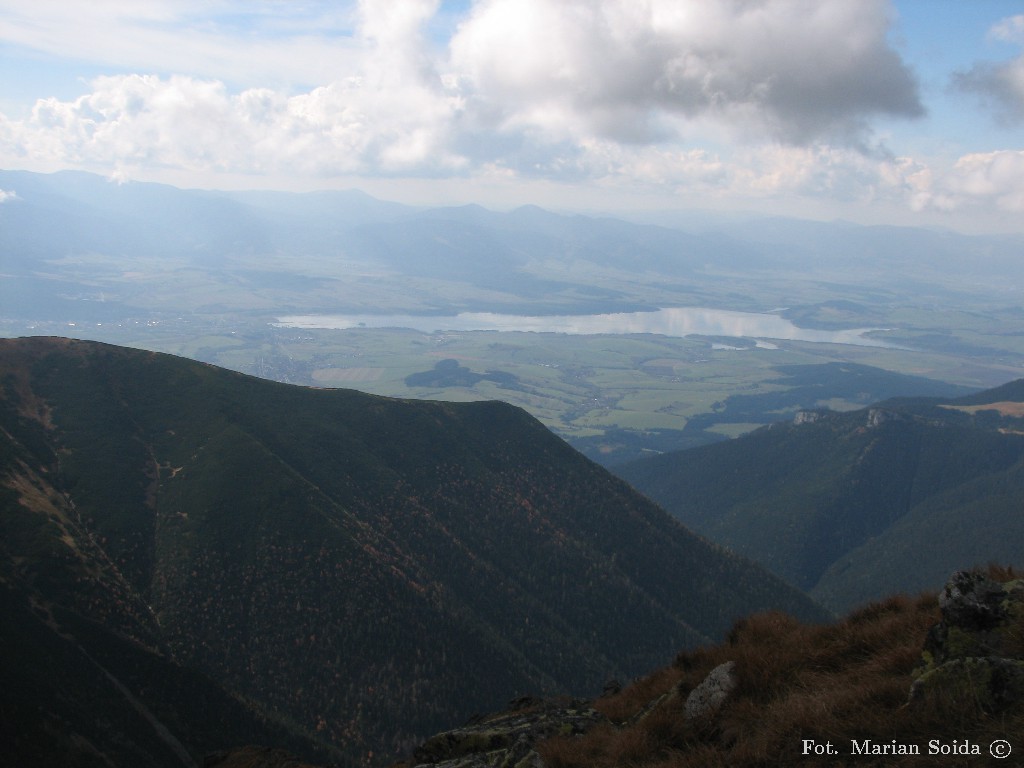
(677, 321)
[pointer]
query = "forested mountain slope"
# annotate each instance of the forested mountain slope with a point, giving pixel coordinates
(367, 569)
(854, 506)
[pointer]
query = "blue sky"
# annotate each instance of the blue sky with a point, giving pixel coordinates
(939, 37)
(909, 111)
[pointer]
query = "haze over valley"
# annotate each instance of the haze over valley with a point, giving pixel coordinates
(600, 327)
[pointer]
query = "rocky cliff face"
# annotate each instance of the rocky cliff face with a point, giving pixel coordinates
(807, 417)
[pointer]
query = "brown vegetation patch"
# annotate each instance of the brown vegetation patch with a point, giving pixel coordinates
(1003, 408)
(833, 683)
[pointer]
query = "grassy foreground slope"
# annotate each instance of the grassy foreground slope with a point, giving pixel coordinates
(367, 569)
(842, 694)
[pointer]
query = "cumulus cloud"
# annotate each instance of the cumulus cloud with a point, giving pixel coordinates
(640, 70)
(182, 122)
(531, 85)
(988, 179)
(6, 195)
(388, 113)
(979, 182)
(999, 85)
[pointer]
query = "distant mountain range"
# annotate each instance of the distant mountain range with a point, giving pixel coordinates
(306, 252)
(118, 245)
(855, 506)
(194, 559)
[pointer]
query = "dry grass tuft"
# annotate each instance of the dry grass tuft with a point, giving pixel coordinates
(630, 701)
(833, 683)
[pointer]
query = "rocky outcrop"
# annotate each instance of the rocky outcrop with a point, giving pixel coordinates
(806, 417)
(879, 416)
(977, 650)
(507, 739)
(709, 696)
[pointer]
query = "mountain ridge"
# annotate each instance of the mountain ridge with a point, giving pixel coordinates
(840, 504)
(368, 569)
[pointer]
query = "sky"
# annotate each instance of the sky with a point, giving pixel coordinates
(906, 112)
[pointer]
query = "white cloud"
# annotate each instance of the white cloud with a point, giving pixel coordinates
(976, 183)
(634, 70)
(988, 179)
(6, 195)
(146, 121)
(388, 112)
(999, 85)
(528, 84)
(1010, 29)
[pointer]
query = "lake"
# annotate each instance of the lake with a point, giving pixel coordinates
(676, 321)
